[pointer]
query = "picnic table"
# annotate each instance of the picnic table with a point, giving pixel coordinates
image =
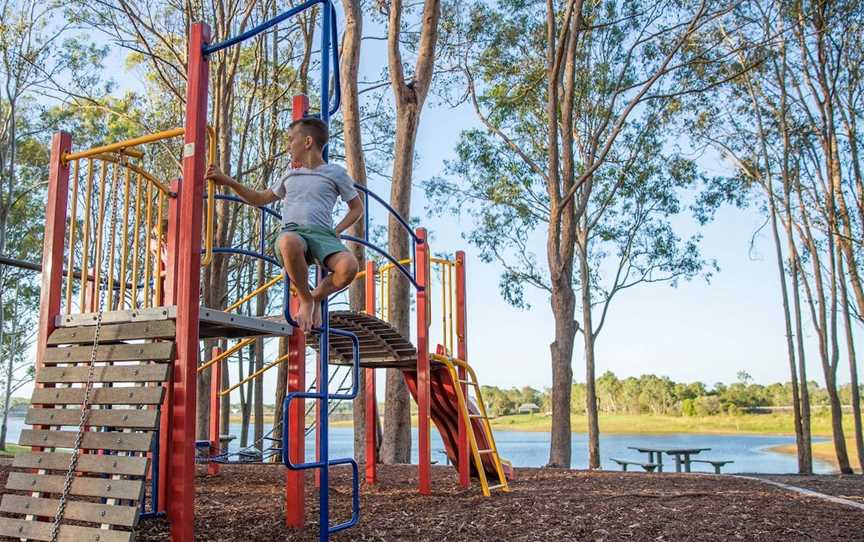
(682, 456)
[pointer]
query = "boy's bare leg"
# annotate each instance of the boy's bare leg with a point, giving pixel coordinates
(293, 250)
(343, 268)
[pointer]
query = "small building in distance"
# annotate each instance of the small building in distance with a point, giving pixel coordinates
(528, 408)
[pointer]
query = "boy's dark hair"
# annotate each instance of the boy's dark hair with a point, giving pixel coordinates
(314, 128)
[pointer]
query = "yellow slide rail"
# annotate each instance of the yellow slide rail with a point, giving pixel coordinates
(452, 365)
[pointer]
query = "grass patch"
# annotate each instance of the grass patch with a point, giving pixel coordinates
(12, 449)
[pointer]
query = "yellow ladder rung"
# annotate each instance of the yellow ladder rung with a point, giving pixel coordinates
(469, 382)
(496, 486)
(486, 451)
(474, 416)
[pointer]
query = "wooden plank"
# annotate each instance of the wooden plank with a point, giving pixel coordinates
(158, 351)
(40, 530)
(98, 396)
(92, 440)
(102, 464)
(121, 373)
(106, 488)
(126, 516)
(164, 329)
(121, 418)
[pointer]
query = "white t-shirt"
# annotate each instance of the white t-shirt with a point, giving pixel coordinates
(309, 195)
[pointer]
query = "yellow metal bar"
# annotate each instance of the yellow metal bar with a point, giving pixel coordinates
(450, 328)
(135, 246)
(211, 200)
(109, 294)
(148, 231)
(70, 261)
(127, 185)
(85, 249)
(162, 187)
(265, 286)
(226, 353)
(255, 375)
(158, 256)
(121, 145)
(444, 307)
(97, 260)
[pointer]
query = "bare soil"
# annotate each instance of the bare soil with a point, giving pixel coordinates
(246, 503)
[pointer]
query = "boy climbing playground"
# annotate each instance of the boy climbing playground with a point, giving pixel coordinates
(308, 195)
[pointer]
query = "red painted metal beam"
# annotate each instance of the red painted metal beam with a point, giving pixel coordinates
(52, 246)
(423, 391)
(295, 496)
(462, 353)
(371, 401)
(181, 499)
(170, 297)
(215, 388)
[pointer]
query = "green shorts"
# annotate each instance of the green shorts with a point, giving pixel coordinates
(320, 242)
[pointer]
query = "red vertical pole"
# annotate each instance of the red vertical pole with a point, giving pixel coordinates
(215, 388)
(295, 496)
(170, 298)
(371, 402)
(423, 390)
(52, 247)
(181, 499)
(53, 244)
(462, 353)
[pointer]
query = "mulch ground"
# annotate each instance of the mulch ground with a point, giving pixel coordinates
(847, 486)
(246, 503)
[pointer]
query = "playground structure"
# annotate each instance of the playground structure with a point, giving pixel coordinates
(121, 322)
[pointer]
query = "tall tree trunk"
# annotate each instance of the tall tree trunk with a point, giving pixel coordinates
(409, 97)
(853, 369)
(805, 451)
(356, 165)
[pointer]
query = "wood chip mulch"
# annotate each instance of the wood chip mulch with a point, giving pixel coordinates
(246, 503)
(846, 486)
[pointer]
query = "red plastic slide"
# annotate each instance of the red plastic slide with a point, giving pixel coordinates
(445, 414)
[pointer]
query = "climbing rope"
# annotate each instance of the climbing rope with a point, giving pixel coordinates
(85, 403)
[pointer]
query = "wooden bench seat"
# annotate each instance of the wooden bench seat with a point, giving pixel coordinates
(647, 467)
(717, 464)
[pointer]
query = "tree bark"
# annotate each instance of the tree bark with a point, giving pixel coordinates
(409, 98)
(853, 369)
(355, 163)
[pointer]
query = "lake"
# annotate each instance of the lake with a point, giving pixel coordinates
(750, 453)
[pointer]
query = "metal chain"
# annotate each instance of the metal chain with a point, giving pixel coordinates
(85, 403)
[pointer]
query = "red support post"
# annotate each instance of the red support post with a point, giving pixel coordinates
(462, 353)
(52, 247)
(371, 401)
(295, 496)
(295, 488)
(170, 298)
(215, 388)
(423, 389)
(181, 499)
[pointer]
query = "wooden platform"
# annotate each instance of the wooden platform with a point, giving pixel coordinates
(213, 323)
(104, 501)
(381, 345)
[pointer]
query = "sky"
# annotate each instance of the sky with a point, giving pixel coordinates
(697, 331)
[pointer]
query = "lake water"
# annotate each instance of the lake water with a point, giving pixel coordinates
(750, 453)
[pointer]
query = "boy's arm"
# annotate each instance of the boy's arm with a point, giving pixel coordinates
(249, 195)
(355, 211)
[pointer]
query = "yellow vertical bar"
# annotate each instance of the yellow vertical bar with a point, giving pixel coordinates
(147, 233)
(450, 311)
(70, 261)
(135, 245)
(97, 259)
(443, 305)
(125, 248)
(158, 255)
(85, 249)
(112, 245)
